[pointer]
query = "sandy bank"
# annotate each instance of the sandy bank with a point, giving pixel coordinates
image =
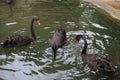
(111, 6)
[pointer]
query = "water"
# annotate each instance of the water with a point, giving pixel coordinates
(34, 61)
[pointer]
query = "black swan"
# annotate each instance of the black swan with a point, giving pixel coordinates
(57, 40)
(8, 1)
(99, 62)
(20, 40)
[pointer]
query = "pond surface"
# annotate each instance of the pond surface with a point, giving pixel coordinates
(35, 61)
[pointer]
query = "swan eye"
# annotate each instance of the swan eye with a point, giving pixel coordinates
(38, 22)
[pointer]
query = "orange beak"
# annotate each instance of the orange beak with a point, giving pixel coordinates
(38, 22)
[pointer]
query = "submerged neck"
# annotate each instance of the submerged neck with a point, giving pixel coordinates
(85, 46)
(32, 30)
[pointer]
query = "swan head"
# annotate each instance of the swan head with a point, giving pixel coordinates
(36, 18)
(78, 37)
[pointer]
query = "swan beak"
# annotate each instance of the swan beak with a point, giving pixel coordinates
(38, 22)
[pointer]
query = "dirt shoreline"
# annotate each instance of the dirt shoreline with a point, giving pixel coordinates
(110, 6)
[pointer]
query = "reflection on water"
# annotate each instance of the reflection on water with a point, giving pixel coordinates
(34, 61)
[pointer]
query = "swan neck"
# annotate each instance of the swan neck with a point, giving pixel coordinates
(85, 46)
(32, 30)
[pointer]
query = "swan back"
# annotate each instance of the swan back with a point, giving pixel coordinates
(57, 40)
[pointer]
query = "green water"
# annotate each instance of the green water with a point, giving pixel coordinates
(34, 61)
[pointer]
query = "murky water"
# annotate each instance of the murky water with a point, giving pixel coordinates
(34, 61)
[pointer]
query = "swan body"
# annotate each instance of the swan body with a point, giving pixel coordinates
(98, 62)
(57, 40)
(8, 1)
(17, 40)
